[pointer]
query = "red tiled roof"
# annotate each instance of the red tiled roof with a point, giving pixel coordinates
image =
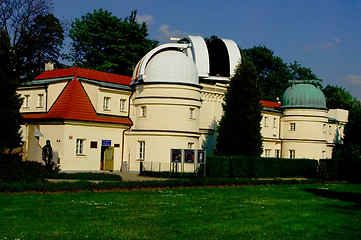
(74, 104)
(270, 104)
(85, 73)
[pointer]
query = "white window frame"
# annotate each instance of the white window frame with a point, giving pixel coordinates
(266, 121)
(141, 149)
(292, 153)
(106, 103)
(40, 100)
(190, 145)
(324, 128)
(123, 105)
(143, 111)
(79, 146)
(292, 127)
(274, 122)
(330, 129)
(192, 113)
(277, 153)
(26, 101)
(267, 152)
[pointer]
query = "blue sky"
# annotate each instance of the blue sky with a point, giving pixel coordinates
(323, 35)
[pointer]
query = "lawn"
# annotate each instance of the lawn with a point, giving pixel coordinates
(317, 211)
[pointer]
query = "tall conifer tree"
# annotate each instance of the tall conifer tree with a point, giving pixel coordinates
(10, 102)
(239, 129)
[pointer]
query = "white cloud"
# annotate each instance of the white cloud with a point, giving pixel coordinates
(145, 18)
(352, 80)
(328, 45)
(337, 40)
(333, 44)
(165, 33)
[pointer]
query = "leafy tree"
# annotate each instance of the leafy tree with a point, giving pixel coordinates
(104, 42)
(16, 16)
(39, 44)
(239, 129)
(350, 156)
(211, 38)
(36, 35)
(298, 72)
(10, 102)
(273, 73)
(338, 97)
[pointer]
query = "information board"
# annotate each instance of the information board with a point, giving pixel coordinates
(189, 156)
(176, 155)
(201, 158)
(106, 143)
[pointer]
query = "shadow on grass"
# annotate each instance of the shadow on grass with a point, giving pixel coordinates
(343, 196)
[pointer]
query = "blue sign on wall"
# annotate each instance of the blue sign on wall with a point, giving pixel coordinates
(106, 143)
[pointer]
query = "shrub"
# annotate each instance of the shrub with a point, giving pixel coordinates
(84, 176)
(12, 169)
(258, 167)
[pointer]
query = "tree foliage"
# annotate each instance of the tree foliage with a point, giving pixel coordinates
(239, 129)
(36, 35)
(104, 42)
(273, 73)
(10, 102)
(16, 16)
(338, 97)
(39, 44)
(350, 153)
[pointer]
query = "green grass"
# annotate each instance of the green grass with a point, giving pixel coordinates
(300, 211)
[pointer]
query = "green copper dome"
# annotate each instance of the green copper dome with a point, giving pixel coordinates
(303, 96)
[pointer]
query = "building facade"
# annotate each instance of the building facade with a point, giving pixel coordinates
(102, 121)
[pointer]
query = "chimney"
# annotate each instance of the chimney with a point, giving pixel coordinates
(49, 66)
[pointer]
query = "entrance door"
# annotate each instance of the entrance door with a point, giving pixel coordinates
(109, 159)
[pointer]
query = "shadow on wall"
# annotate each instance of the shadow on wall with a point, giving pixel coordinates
(337, 139)
(209, 144)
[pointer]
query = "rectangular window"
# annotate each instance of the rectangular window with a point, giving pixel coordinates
(191, 113)
(277, 153)
(275, 122)
(143, 111)
(266, 121)
(80, 146)
(329, 129)
(141, 155)
(26, 101)
(190, 145)
(268, 152)
(40, 100)
(106, 103)
(324, 128)
(323, 154)
(292, 153)
(93, 144)
(292, 126)
(123, 105)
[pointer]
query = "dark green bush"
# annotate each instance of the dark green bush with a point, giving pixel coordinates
(12, 169)
(329, 168)
(258, 167)
(84, 176)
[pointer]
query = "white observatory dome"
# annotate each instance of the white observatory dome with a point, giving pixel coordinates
(171, 66)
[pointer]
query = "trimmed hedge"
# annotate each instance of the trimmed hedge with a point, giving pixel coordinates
(329, 168)
(45, 186)
(12, 169)
(84, 176)
(258, 167)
